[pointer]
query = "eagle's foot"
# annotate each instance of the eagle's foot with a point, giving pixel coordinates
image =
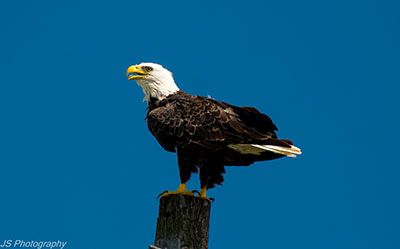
(180, 191)
(203, 194)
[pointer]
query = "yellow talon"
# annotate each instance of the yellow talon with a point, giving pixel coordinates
(181, 188)
(203, 192)
(180, 191)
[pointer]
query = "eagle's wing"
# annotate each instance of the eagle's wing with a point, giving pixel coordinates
(247, 124)
(208, 123)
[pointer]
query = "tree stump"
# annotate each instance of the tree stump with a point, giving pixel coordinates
(183, 222)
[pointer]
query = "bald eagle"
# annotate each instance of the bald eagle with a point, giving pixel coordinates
(206, 134)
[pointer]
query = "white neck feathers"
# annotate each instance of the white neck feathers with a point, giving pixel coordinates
(158, 86)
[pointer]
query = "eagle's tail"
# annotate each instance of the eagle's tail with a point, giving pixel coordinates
(291, 151)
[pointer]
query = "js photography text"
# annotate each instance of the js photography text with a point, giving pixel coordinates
(32, 244)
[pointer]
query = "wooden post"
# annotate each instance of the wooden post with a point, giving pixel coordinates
(183, 222)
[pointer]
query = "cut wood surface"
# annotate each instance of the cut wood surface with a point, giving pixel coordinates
(183, 222)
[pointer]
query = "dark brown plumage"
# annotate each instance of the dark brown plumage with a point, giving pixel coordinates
(202, 131)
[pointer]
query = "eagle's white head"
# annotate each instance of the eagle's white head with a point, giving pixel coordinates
(156, 81)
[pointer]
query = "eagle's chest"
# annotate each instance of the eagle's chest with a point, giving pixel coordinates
(167, 124)
(185, 121)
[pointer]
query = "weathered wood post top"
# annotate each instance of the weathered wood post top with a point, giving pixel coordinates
(183, 222)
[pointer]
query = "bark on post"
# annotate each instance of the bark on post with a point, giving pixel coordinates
(183, 222)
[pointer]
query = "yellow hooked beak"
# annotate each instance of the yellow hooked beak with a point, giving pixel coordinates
(135, 72)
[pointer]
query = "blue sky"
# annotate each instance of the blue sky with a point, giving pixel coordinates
(77, 161)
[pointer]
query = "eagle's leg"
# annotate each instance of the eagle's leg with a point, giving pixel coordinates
(182, 190)
(203, 192)
(210, 174)
(204, 182)
(184, 174)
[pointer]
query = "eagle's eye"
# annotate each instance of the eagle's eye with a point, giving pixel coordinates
(147, 69)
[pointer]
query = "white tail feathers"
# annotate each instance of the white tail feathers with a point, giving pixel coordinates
(291, 151)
